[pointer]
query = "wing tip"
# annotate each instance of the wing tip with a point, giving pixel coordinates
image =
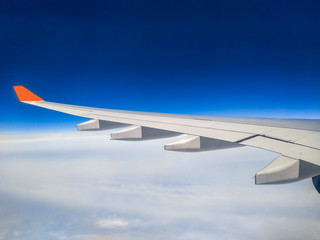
(25, 95)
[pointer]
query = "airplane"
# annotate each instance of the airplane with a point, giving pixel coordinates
(296, 140)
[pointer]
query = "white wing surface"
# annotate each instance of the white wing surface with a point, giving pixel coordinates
(297, 141)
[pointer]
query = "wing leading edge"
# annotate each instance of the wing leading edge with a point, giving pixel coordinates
(297, 141)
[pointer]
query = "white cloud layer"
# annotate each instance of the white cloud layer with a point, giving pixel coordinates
(111, 223)
(81, 185)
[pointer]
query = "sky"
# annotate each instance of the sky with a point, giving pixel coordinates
(232, 58)
(226, 58)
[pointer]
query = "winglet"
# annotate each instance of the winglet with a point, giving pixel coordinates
(25, 95)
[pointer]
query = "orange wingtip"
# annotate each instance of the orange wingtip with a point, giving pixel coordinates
(25, 95)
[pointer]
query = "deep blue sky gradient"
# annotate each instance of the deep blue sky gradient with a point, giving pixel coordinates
(241, 58)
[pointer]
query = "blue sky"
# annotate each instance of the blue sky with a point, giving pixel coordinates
(252, 58)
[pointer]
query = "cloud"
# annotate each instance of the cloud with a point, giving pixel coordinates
(81, 185)
(111, 223)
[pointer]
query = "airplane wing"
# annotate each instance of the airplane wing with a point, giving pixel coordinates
(297, 141)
